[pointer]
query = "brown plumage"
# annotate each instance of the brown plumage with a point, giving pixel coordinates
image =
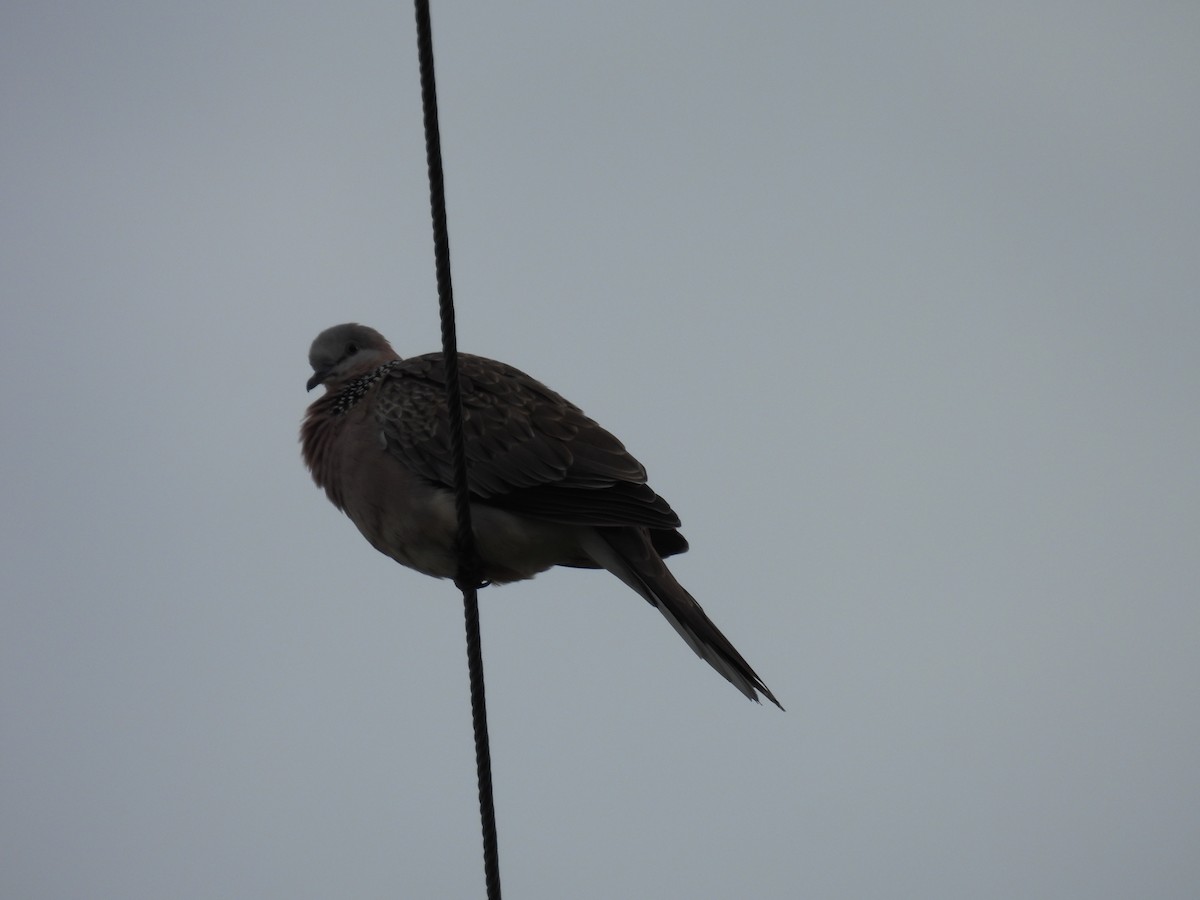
(548, 485)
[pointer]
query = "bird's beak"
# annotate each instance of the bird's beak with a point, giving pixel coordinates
(318, 378)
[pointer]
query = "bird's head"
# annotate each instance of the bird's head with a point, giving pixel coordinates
(345, 350)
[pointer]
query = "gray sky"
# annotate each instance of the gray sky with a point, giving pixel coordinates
(896, 302)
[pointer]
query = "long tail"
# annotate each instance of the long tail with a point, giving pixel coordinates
(628, 554)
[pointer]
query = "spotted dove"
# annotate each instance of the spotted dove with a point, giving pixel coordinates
(549, 487)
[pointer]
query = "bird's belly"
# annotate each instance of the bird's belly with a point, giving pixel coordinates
(515, 547)
(420, 534)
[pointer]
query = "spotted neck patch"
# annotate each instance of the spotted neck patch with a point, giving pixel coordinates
(347, 398)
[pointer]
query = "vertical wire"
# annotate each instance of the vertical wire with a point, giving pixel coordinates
(468, 579)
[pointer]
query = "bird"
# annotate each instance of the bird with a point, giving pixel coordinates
(548, 486)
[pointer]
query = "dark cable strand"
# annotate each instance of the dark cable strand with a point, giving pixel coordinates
(468, 579)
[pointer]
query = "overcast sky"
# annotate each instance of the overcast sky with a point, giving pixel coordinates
(896, 302)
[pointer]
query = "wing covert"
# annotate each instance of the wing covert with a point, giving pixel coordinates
(528, 448)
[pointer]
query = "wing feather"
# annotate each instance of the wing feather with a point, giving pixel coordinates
(528, 449)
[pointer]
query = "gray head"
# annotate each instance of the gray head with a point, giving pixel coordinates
(345, 349)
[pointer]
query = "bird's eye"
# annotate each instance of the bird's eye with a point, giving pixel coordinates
(351, 349)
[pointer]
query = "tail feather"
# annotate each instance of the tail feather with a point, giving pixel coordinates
(629, 554)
